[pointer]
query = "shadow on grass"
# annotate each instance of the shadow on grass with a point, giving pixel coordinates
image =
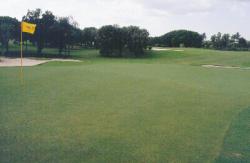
(147, 55)
(16, 54)
(236, 147)
(91, 54)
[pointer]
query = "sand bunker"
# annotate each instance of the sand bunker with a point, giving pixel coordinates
(161, 49)
(178, 50)
(166, 49)
(226, 67)
(14, 62)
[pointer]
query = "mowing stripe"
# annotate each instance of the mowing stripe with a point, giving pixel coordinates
(236, 147)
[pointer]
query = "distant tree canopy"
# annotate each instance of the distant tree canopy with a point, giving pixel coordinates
(8, 31)
(52, 31)
(184, 38)
(227, 42)
(179, 38)
(89, 36)
(115, 41)
(64, 34)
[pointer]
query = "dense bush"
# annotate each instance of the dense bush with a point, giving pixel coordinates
(179, 38)
(115, 41)
(184, 37)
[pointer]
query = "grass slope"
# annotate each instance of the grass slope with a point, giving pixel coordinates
(155, 109)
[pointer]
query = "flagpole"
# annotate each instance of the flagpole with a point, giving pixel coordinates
(27, 28)
(21, 59)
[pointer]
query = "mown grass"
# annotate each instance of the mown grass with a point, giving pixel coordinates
(236, 147)
(162, 108)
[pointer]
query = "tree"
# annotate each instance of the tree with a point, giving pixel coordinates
(207, 44)
(242, 42)
(61, 34)
(9, 29)
(213, 41)
(204, 36)
(235, 38)
(155, 41)
(76, 36)
(89, 36)
(216, 40)
(44, 22)
(47, 21)
(225, 41)
(110, 41)
(181, 37)
(137, 39)
(118, 42)
(34, 16)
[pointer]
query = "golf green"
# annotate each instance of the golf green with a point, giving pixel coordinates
(162, 108)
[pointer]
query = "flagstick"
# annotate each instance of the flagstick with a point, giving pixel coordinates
(21, 59)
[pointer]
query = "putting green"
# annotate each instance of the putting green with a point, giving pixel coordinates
(164, 108)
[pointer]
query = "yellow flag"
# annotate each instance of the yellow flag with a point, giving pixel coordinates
(28, 27)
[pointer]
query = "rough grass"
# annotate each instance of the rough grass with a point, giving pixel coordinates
(163, 108)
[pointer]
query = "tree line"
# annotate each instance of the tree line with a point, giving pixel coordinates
(178, 38)
(64, 34)
(227, 42)
(185, 38)
(8, 31)
(51, 31)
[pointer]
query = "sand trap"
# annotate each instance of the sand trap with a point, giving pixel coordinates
(65, 60)
(14, 62)
(166, 49)
(178, 50)
(227, 67)
(161, 49)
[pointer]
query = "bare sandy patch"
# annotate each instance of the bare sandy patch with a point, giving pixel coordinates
(65, 60)
(178, 50)
(166, 49)
(15, 62)
(161, 49)
(226, 67)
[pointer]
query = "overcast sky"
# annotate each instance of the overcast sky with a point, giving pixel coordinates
(158, 16)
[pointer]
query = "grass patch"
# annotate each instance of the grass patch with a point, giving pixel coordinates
(236, 147)
(155, 109)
